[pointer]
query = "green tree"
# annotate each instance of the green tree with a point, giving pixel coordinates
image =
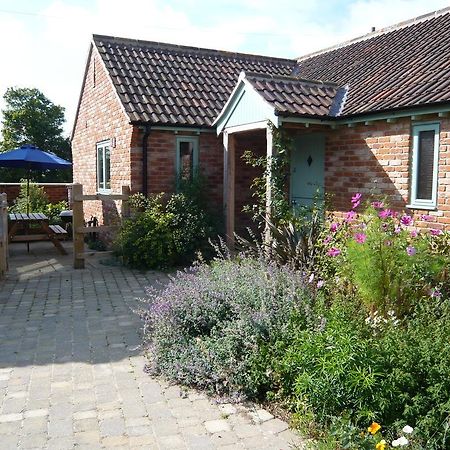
(31, 118)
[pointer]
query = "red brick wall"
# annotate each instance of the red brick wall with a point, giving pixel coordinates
(56, 192)
(161, 158)
(101, 117)
(375, 159)
(245, 174)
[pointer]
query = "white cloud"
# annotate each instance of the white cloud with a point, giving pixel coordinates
(50, 53)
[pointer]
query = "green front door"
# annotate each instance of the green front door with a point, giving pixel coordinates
(307, 170)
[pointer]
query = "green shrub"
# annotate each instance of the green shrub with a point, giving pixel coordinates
(35, 201)
(164, 233)
(369, 369)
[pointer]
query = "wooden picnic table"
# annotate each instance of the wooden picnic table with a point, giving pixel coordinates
(22, 221)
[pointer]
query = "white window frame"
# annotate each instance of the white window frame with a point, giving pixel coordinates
(101, 186)
(192, 139)
(415, 202)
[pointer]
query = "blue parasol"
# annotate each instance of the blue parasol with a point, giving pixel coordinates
(32, 158)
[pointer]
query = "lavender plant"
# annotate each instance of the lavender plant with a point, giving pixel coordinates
(205, 328)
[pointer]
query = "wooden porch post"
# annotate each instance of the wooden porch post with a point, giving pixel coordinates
(269, 155)
(229, 175)
(78, 222)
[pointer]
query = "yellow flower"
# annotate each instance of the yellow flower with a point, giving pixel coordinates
(381, 445)
(374, 427)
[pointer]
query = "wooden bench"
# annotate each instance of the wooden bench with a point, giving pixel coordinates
(60, 232)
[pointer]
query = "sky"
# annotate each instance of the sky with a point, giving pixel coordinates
(44, 43)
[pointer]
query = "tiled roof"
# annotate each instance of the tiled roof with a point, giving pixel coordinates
(175, 85)
(400, 67)
(291, 96)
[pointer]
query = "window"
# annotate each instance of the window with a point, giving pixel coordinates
(103, 166)
(425, 159)
(187, 157)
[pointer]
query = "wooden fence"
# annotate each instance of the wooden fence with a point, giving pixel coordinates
(79, 227)
(3, 235)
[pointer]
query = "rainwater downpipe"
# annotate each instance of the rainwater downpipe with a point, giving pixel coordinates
(145, 160)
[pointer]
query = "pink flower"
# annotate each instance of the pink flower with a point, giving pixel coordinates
(435, 232)
(414, 233)
(333, 251)
(397, 229)
(320, 284)
(349, 216)
(334, 227)
(406, 220)
(360, 238)
(356, 200)
(411, 250)
(385, 214)
(426, 217)
(327, 240)
(377, 205)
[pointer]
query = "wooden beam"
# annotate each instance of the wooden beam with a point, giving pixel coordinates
(97, 229)
(100, 196)
(269, 155)
(229, 143)
(78, 222)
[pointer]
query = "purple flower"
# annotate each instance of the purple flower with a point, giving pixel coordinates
(356, 200)
(414, 233)
(333, 251)
(328, 239)
(360, 238)
(334, 227)
(435, 232)
(385, 214)
(377, 205)
(426, 217)
(387, 243)
(411, 250)
(349, 216)
(435, 293)
(320, 284)
(397, 229)
(406, 220)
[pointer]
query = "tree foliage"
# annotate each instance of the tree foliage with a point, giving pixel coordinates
(31, 118)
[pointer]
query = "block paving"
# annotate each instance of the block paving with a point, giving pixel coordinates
(72, 369)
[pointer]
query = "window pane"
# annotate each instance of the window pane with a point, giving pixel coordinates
(425, 160)
(107, 169)
(186, 163)
(100, 179)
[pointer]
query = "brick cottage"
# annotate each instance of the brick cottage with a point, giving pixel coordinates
(370, 115)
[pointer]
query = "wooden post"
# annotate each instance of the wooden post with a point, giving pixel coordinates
(269, 155)
(3, 235)
(78, 222)
(229, 143)
(125, 206)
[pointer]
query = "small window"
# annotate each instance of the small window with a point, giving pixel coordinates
(187, 157)
(103, 166)
(425, 158)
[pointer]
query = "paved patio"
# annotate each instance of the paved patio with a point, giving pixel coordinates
(71, 370)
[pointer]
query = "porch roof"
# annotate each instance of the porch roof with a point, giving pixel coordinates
(261, 97)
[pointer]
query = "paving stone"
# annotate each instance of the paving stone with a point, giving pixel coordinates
(274, 426)
(214, 426)
(76, 377)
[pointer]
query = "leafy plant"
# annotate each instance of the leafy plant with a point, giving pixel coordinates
(35, 201)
